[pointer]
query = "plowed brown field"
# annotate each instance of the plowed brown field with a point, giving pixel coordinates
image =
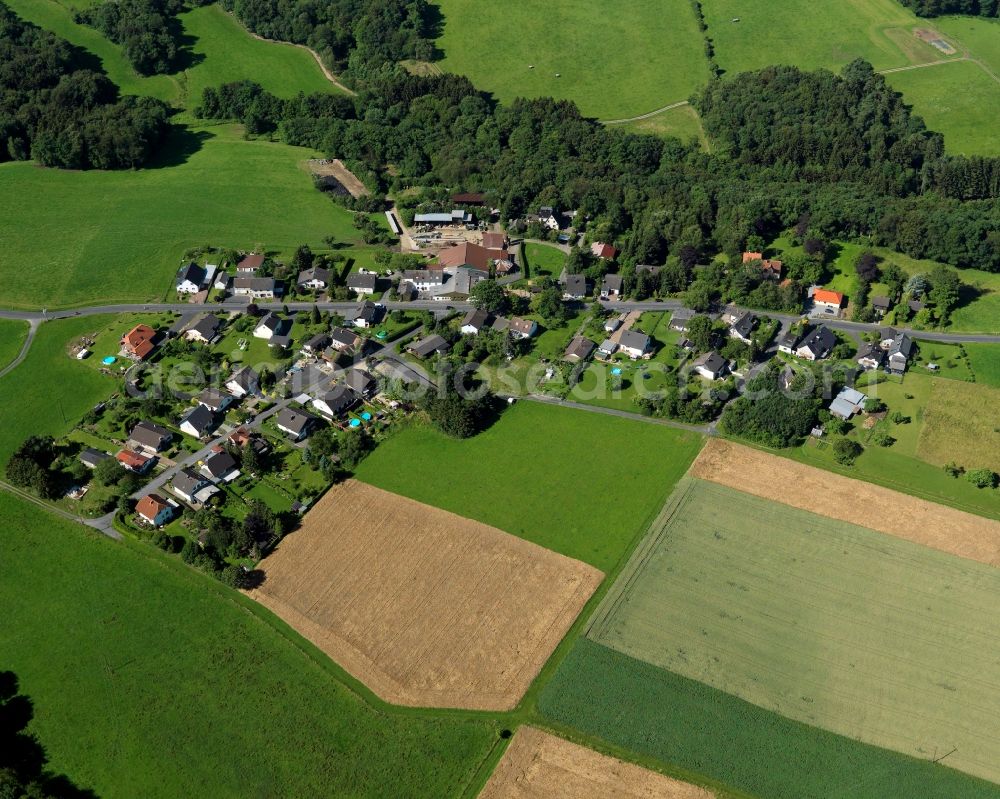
(838, 497)
(424, 607)
(537, 765)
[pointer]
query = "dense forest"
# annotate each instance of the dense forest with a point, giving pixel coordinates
(57, 111)
(841, 151)
(935, 8)
(147, 30)
(352, 36)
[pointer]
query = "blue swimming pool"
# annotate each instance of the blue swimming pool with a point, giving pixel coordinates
(109, 360)
(616, 371)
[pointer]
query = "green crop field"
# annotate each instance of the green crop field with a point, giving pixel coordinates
(543, 259)
(808, 617)
(75, 238)
(984, 361)
(647, 54)
(580, 483)
(959, 100)
(676, 721)
(151, 679)
(962, 424)
(12, 336)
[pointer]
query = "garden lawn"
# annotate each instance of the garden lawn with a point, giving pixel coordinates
(151, 679)
(579, 483)
(984, 362)
(48, 392)
(78, 238)
(960, 100)
(812, 35)
(647, 54)
(805, 616)
(542, 259)
(12, 336)
(669, 720)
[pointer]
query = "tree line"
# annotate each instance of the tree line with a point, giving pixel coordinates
(841, 151)
(935, 8)
(57, 110)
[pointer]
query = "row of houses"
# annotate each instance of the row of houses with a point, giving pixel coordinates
(478, 320)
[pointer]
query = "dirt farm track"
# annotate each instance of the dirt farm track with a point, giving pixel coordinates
(424, 607)
(837, 497)
(537, 765)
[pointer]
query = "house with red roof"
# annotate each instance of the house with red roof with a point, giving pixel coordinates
(154, 510)
(138, 342)
(827, 302)
(771, 268)
(602, 250)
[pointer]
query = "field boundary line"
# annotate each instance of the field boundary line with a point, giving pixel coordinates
(636, 564)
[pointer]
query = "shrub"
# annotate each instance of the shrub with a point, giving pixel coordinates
(846, 451)
(983, 478)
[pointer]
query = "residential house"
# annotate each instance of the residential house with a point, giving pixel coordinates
(817, 345)
(360, 382)
(244, 382)
(139, 343)
(458, 285)
(475, 321)
(881, 306)
(788, 341)
(679, 319)
(334, 402)
(847, 403)
(607, 349)
(899, 354)
(915, 306)
(886, 335)
(365, 315)
(711, 365)
(344, 340)
(602, 250)
(223, 281)
(315, 278)
(522, 328)
(548, 217)
(249, 264)
(362, 284)
(743, 327)
(90, 457)
(190, 486)
(317, 344)
(575, 287)
(827, 302)
(244, 437)
(197, 422)
(428, 346)
(154, 510)
(635, 344)
(579, 349)
(423, 280)
(771, 269)
(258, 288)
(215, 400)
(190, 279)
(611, 286)
(135, 462)
(220, 466)
(271, 325)
(870, 357)
(149, 438)
(205, 330)
(295, 422)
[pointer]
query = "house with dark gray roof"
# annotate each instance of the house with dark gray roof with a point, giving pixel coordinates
(90, 457)
(360, 382)
(243, 382)
(711, 365)
(221, 466)
(295, 422)
(316, 277)
(429, 346)
(817, 345)
(899, 354)
(197, 422)
(870, 356)
(611, 286)
(149, 437)
(575, 287)
(205, 330)
(335, 401)
(215, 400)
(190, 279)
(743, 327)
(316, 344)
(579, 349)
(635, 344)
(366, 314)
(788, 341)
(362, 283)
(679, 319)
(187, 484)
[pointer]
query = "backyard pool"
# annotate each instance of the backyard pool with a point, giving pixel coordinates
(109, 360)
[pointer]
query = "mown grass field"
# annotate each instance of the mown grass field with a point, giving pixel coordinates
(984, 361)
(543, 259)
(683, 123)
(76, 238)
(669, 719)
(644, 56)
(807, 616)
(580, 483)
(150, 679)
(12, 336)
(961, 425)
(981, 36)
(959, 100)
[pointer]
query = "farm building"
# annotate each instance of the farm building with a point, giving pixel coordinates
(847, 403)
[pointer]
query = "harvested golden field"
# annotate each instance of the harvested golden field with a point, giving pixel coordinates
(961, 424)
(537, 765)
(837, 497)
(425, 607)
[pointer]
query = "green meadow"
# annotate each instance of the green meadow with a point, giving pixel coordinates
(579, 483)
(542, 259)
(80, 238)
(977, 35)
(149, 678)
(807, 616)
(682, 122)
(984, 361)
(12, 336)
(645, 55)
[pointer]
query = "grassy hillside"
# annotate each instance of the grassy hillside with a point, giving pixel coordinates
(576, 482)
(671, 719)
(12, 336)
(643, 56)
(806, 616)
(76, 238)
(150, 679)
